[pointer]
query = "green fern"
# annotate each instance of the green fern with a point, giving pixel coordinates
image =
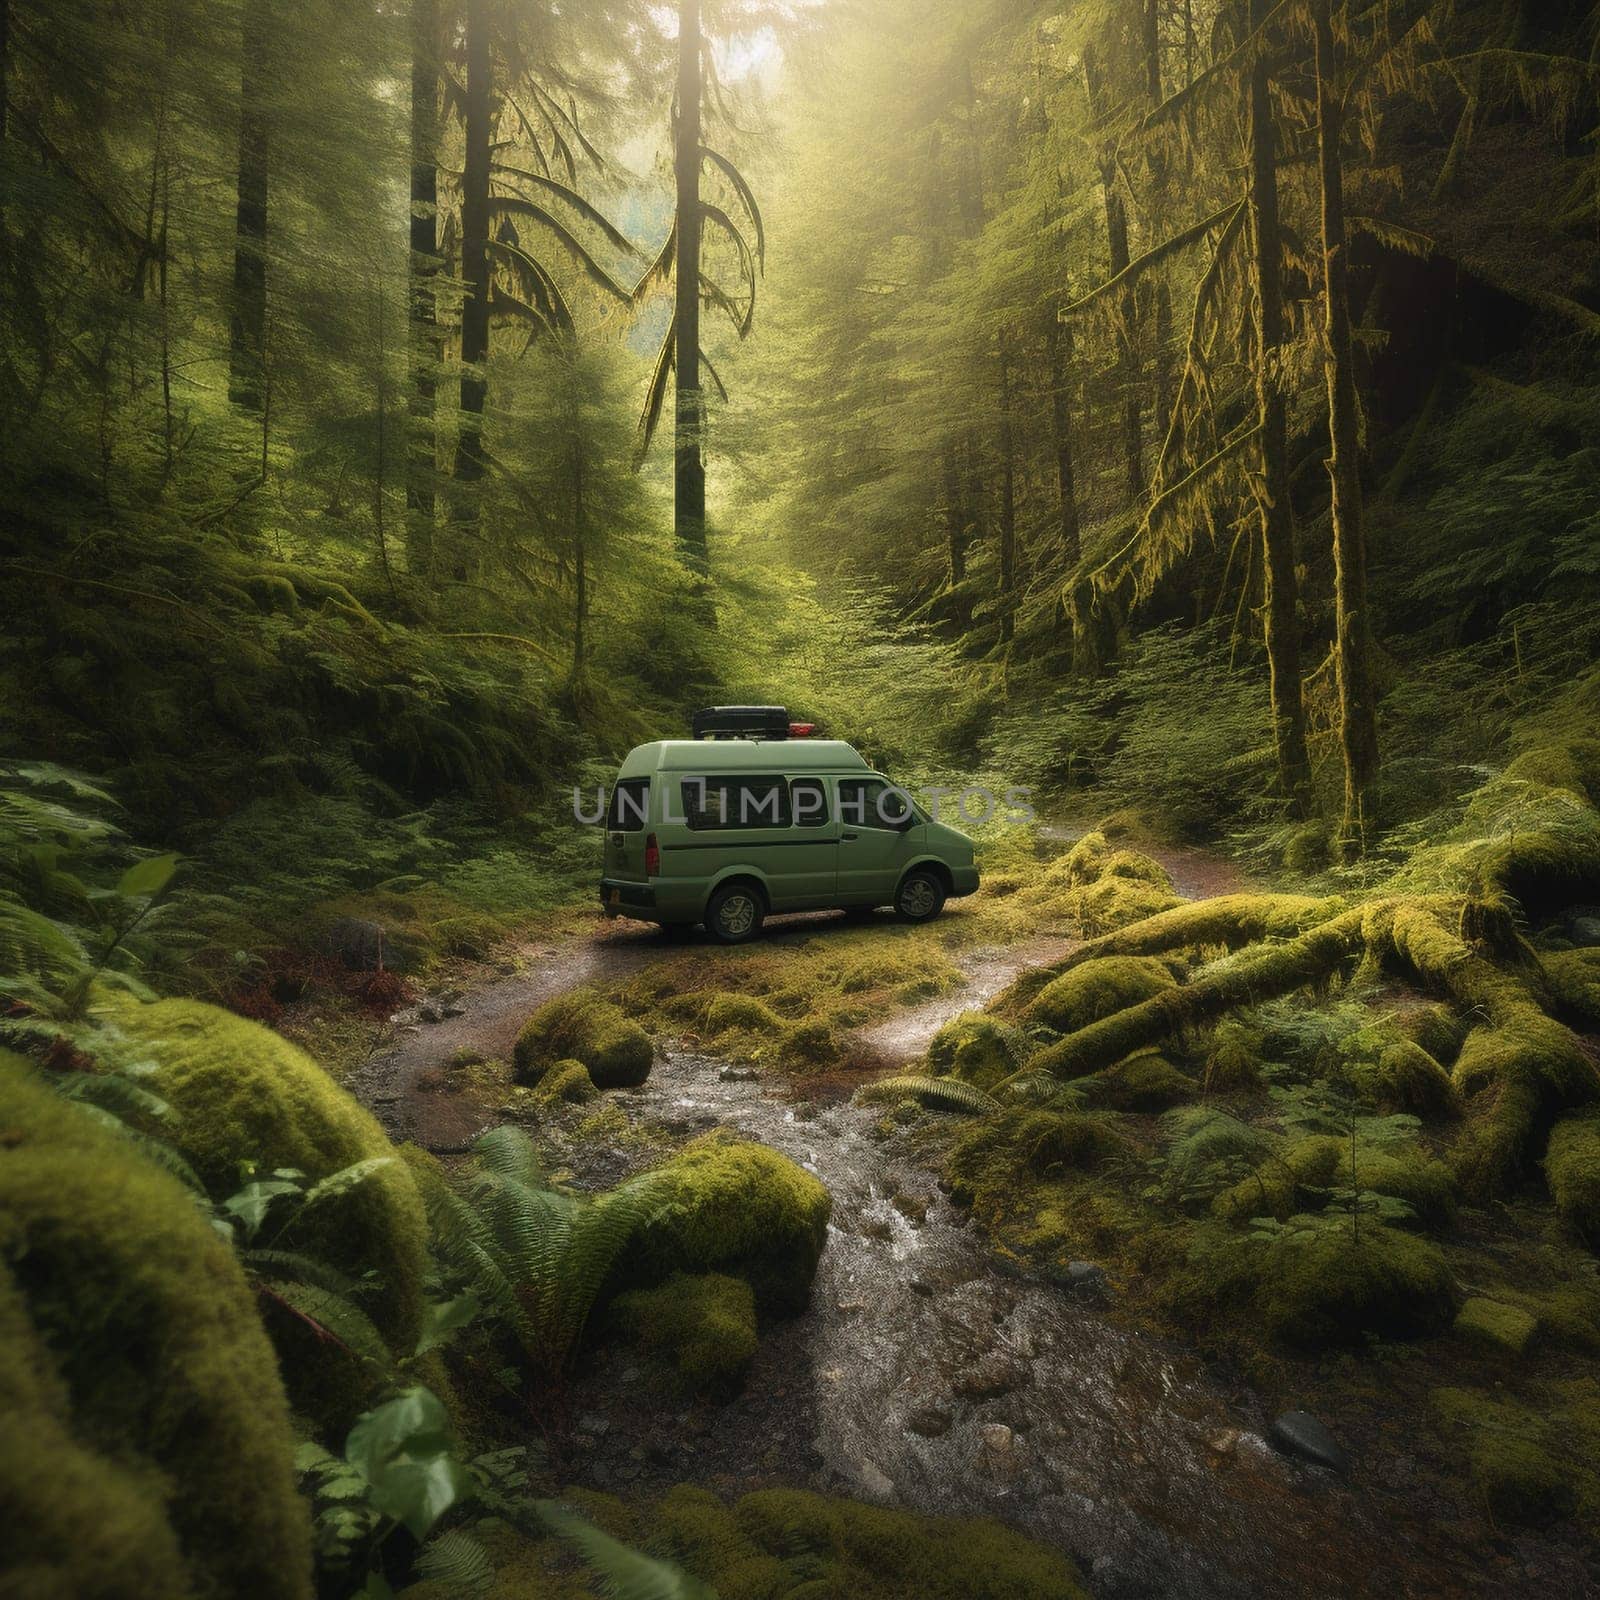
(624, 1574)
(535, 1257)
(948, 1094)
(458, 1564)
(331, 1315)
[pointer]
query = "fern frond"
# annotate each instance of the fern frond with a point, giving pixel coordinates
(949, 1094)
(331, 1316)
(295, 1266)
(458, 1564)
(508, 1152)
(624, 1574)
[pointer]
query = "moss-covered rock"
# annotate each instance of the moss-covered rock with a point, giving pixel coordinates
(243, 1094)
(584, 1026)
(1298, 1180)
(782, 1543)
(145, 1441)
(737, 1207)
(1404, 1077)
(1085, 994)
(1521, 1479)
(1146, 1082)
(991, 1153)
(977, 1049)
(1493, 1322)
(1119, 901)
(1573, 977)
(703, 1324)
(1572, 1167)
(567, 1082)
(1234, 1054)
(1317, 1286)
(743, 1013)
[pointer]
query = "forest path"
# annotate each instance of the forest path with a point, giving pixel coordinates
(925, 1374)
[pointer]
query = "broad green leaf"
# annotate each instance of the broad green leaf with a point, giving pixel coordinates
(404, 1450)
(148, 877)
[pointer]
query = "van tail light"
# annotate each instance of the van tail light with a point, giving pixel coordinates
(652, 856)
(801, 730)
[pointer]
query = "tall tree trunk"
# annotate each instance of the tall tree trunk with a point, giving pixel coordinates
(1117, 244)
(580, 575)
(1058, 345)
(1158, 182)
(1277, 512)
(248, 325)
(1358, 733)
(425, 347)
(469, 466)
(689, 468)
(1008, 503)
(955, 515)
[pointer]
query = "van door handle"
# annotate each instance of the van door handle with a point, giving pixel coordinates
(849, 835)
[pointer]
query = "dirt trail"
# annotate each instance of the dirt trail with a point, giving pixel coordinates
(924, 1375)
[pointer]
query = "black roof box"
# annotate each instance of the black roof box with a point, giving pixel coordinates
(741, 722)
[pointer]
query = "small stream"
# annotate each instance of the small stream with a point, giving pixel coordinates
(923, 1377)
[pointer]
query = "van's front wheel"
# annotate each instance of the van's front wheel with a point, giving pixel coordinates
(920, 896)
(734, 913)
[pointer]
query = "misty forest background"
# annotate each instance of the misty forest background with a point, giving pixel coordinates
(1187, 408)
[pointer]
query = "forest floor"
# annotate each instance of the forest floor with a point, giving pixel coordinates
(930, 1370)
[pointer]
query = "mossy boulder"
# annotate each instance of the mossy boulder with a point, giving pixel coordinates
(584, 1026)
(703, 1324)
(1493, 1322)
(736, 1207)
(781, 1543)
(1573, 977)
(566, 1083)
(1145, 1083)
(1328, 1287)
(1298, 1180)
(976, 1049)
(1234, 1054)
(1118, 901)
(1097, 989)
(241, 1093)
(743, 1013)
(991, 1154)
(1404, 1077)
(1572, 1168)
(146, 1449)
(1522, 1480)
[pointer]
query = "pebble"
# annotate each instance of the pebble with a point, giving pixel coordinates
(929, 1422)
(739, 1075)
(875, 1483)
(1298, 1433)
(990, 1376)
(1222, 1443)
(997, 1437)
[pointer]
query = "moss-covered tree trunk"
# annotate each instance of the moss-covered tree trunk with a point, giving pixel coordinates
(425, 349)
(955, 516)
(469, 465)
(689, 469)
(1358, 733)
(247, 330)
(1277, 514)
(1117, 247)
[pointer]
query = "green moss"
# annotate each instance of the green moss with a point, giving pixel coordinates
(1573, 766)
(737, 1207)
(991, 1154)
(1572, 1167)
(145, 1442)
(1574, 980)
(1118, 901)
(582, 1026)
(743, 1013)
(791, 1544)
(567, 1082)
(1492, 1322)
(1521, 1480)
(1146, 1082)
(1297, 1181)
(1406, 1078)
(1085, 994)
(1234, 1055)
(1318, 1287)
(1439, 1029)
(976, 1049)
(241, 1094)
(704, 1324)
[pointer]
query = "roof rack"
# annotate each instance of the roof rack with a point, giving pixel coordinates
(741, 722)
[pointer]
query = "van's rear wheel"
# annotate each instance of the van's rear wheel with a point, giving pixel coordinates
(734, 913)
(920, 896)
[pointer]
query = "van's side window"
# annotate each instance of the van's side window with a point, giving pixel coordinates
(872, 803)
(630, 805)
(712, 803)
(808, 800)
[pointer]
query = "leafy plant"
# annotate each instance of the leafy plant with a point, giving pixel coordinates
(532, 1255)
(948, 1094)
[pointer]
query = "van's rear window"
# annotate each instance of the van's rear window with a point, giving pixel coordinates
(710, 803)
(630, 804)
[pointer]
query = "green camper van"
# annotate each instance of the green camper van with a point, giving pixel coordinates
(753, 816)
